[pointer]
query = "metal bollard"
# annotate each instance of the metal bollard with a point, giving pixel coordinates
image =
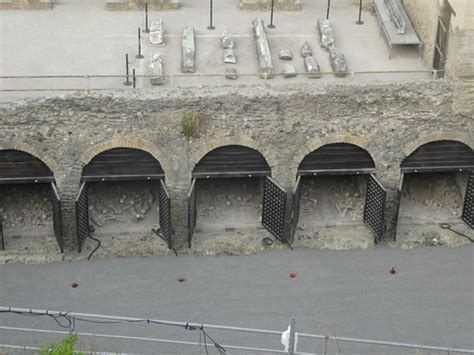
(271, 25)
(127, 82)
(139, 55)
(359, 21)
(147, 30)
(210, 27)
(134, 79)
(329, 6)
(2, 242)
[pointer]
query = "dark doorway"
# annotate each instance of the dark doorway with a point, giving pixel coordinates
(30, 207)
(336, 192)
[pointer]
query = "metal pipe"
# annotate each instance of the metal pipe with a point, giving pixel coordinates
(271, 25)
(329, 5)
(134, 79)
(359, 21)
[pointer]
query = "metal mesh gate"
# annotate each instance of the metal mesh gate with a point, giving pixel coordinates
(57, 217)
(2, 242)
(274, 206)
(82, 216)
(165, 214)
(295, 211)
(192, 213)
(468, 209)
(374, 209)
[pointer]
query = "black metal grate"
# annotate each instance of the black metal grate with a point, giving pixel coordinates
(468, 209)
(2, 241)
(274, 206)
(57, 217)
(82, 216)
(191, 212)
(374, 209)
(165, 214)
(295, 211)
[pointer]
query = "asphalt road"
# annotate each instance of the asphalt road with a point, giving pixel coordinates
(430, 300)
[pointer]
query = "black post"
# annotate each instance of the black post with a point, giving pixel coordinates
(147, 30)
(134, 79)
(329, 6)
(210, 27)
(139, 55)
(2, 242)
(271, 25)
(359, 21)
(127, 82)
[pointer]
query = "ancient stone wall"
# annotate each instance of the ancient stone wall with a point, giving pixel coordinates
(157, 5)
(286, 5)
(283, 123)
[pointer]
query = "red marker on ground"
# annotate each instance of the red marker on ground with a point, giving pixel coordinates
(393, 271)
(292, 274)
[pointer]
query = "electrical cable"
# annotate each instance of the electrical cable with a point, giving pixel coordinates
(92, 230)
(448, 226)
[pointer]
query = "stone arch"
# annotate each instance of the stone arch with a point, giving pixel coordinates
(438, 136)
(28, 148)
(313, 144)
(123, 142)
(245, 141)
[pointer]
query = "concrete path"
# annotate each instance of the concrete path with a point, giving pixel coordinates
(430, 300)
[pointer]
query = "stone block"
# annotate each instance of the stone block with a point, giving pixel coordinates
(26, 4)
(188, 50)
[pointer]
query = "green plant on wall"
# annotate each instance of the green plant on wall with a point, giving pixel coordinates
(192, 123)
(63, 347)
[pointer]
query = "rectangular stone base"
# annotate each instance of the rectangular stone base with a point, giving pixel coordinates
(127, 5)
(26, 4)
(285, 5)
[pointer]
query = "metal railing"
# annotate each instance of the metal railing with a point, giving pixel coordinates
(190, 326)
(99, 82)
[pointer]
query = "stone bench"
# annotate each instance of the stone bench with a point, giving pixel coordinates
(125, 5)
(286, 5)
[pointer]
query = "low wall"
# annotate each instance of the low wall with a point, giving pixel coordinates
(26, 4)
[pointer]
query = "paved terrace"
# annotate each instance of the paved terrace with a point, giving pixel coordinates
(80, 37)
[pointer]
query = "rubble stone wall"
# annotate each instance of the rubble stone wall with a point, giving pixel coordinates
(284, 123)
(157, 5)
(286, 5)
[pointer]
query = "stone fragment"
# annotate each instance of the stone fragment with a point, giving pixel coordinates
(286, 54)
(326, 34)
(312, 67)
(231, 73)
(265, 65)
(338, 61)
(157, 32)
(188, 50)
(227, 40)
(155, 68)
(306, 50)
(289, 71)
(229, 56)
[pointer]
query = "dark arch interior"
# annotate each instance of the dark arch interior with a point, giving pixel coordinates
(18, 167)
(232, 161)
(123, 164)
(337, 158)
(438, 156)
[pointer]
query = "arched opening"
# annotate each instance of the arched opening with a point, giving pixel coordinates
(30, 207)
(232, 191)
(123, 196)
(335, 192)
(436, 193)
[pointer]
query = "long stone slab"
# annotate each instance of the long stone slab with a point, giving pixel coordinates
(188, 51)
(326, 34)
(157, 32)
(155, 68)
(285, 5)
(265, 65)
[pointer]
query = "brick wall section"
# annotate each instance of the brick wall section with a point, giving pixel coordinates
(283, 123)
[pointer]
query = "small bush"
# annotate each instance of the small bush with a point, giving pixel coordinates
(192, 123)
(63, 347)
